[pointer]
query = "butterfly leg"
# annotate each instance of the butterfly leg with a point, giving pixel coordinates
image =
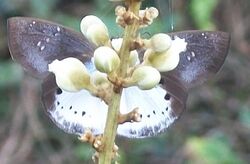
(133, 116)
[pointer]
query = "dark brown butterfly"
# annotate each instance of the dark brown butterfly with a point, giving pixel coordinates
(35, 43)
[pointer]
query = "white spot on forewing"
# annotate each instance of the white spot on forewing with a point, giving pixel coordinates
(47, 40)
(58, 29)
(39, 44)
(42, 48)
(193, 54)
(33, 23)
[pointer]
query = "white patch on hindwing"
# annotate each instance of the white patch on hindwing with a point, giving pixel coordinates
(78, 111)
(155, 112)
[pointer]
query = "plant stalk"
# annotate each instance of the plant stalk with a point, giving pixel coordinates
(109, 135)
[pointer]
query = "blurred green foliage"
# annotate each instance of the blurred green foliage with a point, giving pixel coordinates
(245, 116)
(210, 150)
(83, 152)
(202, 13)
(10, 74)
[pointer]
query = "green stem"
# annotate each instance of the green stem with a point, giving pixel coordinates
(113, 111)
(110, 130)
(129, 34)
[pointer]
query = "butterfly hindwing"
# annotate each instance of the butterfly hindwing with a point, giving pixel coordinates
(78, 111)
(73, 112)
(35, 43)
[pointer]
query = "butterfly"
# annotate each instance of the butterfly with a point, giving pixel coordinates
(35, 43)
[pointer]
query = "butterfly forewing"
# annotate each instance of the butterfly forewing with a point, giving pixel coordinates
(35, 43)
(205, 54)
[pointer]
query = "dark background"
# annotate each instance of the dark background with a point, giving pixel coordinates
(214, 129)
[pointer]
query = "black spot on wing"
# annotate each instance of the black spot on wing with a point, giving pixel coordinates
(167, 96)
(58, 91)
(161, 81)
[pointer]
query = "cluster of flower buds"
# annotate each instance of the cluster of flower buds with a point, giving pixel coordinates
(133, 56)
(95, 30)
(161, 54)
(145, 17)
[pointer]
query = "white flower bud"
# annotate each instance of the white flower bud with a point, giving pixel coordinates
(163, 62)
(98, 78)
(89, 20)
(153, 12)
(97, 35)
(133, 57)
(147, 16)
(71, 74)
(146, 77)
(160, 42)
(117, 44)
(95, 30)
(150, 13)
(106, 59)
(120, 10)
(167, 60)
